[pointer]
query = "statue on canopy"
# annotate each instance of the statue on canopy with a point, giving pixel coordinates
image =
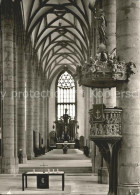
(101, 26)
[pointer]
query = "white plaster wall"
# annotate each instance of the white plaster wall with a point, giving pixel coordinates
(52, 105)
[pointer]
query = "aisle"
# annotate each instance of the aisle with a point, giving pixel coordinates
(73, 162)
(79, 179)
(57, 154)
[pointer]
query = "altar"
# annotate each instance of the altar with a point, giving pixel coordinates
(66, 129)
(60, 145)
(42, 178)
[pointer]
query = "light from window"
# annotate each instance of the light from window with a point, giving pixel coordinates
(66, 95)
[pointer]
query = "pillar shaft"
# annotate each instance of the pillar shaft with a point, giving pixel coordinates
(87, 107)
(21, 96)
(128, 48)
(29, 104)
(42, 110)
(41, 115)
(46, 120)
(36, 107)
(8, 134)
(109, 6)
(110, 15)
(97, 99)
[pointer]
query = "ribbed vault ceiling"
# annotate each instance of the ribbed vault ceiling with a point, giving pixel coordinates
(60, 31)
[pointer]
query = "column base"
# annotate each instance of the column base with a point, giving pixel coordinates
(103, 175)
(128, 189)
(97, 163)
(24, 159)
(93, 165)
(30, 156)
(9, 165)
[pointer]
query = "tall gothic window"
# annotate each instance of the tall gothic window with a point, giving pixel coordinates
(66, 95)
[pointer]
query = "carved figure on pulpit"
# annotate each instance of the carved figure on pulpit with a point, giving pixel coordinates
(102, 23)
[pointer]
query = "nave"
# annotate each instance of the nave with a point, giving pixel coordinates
(70, 75)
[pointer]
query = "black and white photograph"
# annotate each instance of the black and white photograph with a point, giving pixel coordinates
(70, 97)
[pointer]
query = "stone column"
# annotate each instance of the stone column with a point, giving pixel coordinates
(91, 143)
(128, 49)
(44, 113)
(98, 99)
(0, 97)
(8, 147)
(46, 119)
(87, 107)
(15, 89)
(39, 105)
(41, 115)
(109, 7)
(45, 125)
(36, 105)
(29, 103)
(20, 95)
(93, 149)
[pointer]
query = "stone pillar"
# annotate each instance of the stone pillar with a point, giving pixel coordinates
(45, 125)
(36, 105)
(109, 7)
(0, 98)
(87, 107)
(39, 106)
(41, 115)
(93, 149)
(46, 115)
(109, 97)
(98, 99)
(128, 49)
(15, 89)
(8, 134)
(20, 95)
(91, 143)
(29, 103)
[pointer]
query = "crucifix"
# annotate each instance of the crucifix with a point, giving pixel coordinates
(43, 167)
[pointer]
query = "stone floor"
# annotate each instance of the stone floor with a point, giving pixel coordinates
(72, 162)
(75, 183)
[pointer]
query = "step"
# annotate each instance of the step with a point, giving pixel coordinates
(65, 169)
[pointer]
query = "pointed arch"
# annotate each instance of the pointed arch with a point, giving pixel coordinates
(66, 94)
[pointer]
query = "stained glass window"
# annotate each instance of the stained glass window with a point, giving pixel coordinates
(66, 95)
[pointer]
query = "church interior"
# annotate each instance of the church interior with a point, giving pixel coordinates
(69, 97)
